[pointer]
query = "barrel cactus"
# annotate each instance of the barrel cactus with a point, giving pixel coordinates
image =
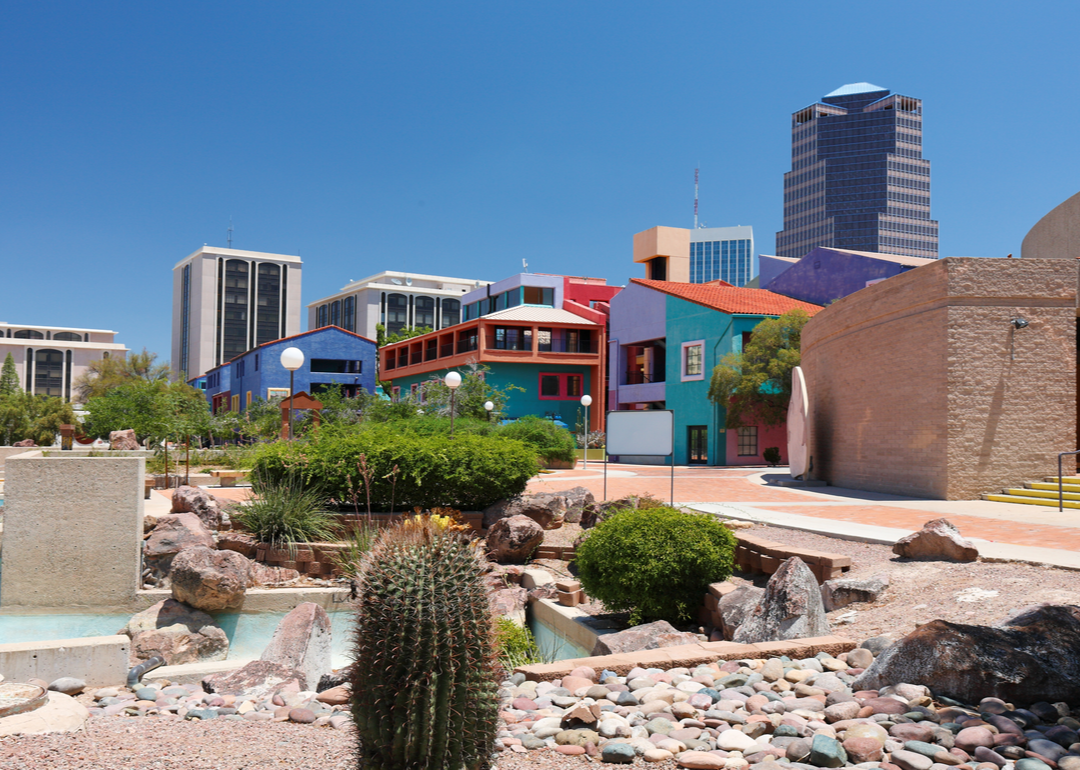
(424, 684)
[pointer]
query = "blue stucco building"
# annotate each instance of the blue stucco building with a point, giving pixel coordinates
(332, 357)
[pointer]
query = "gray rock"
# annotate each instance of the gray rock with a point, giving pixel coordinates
(68, 685)
(827, 752)
(860, 657)
(210, 580)
(177, 632)
(259, 680)
(174, 533)
(577, 499)
(617, 753)
(510, 603)
(650, 636)
(546, 509)
(937, 540)
(512, 540)
(844, 591)
(790, 609)
(199, 502)
(1033, 656)
(909, 760)
(302, 642)
(735, 606)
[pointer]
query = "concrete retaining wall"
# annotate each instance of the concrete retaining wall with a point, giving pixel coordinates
(100, 661)
(73, 529)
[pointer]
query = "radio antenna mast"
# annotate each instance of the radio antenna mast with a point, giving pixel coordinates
(230, 231)
(695, 197)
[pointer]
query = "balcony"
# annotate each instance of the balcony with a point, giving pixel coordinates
(640, 378)
(510, 343)
(467, 345)
(569, 346)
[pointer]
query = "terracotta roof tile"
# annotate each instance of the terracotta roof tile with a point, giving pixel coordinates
(730, 299)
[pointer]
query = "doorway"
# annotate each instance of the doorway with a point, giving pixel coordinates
(697, 442)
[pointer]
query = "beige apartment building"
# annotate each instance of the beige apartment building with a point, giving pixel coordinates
(49, 359)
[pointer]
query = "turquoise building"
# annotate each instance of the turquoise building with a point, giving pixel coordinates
(666, 338)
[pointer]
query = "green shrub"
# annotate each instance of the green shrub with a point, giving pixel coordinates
(771, 455)
(656, 563)
(424, 683)
(284, 511)
(515, 646)
(465, 472)
(551, 441)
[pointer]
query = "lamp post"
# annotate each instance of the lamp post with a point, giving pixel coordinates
(489, 406)
(452, 380)
(586, 401)
(292, 359)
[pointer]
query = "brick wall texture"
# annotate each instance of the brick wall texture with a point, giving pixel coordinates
(921, 386)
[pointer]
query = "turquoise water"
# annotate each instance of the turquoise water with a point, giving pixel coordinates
(248, 632)
(553, 645)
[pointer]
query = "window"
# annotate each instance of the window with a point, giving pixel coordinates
(247, 400)
(451, 312)
(693, 361)
(413, 388)
(336, 366)
(73, 337)
(395, 394)
(397, 313)
(748, 441)
(29, 334)
(236, 403)
(48, 373)
(538, 295)
(561, 386)
(256, 362)
(424, 313)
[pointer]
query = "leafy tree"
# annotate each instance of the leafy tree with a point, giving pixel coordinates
(755, 385)
(107, 373)
(471, 395)
(154, 409)
(24, 415)
(9, 377)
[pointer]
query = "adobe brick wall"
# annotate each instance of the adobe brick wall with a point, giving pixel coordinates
(913, 390)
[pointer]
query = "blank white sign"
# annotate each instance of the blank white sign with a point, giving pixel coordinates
(640, 433)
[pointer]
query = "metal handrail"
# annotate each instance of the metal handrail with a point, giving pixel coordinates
(1061, 484)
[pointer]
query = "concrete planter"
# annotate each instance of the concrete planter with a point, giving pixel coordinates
(560, 465)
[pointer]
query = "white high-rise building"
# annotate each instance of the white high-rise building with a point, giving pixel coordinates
(50, 359)
(722, 253)
(395, 300)
(227, 301)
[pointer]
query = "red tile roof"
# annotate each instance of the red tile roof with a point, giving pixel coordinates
(730, 299)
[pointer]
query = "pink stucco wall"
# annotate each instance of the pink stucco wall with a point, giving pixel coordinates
(767, 437)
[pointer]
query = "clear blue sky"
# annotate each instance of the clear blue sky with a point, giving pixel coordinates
(459, 138)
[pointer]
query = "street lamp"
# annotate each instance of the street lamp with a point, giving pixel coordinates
(292, 359)
(489, 406)
(586, 401)
(452, 380)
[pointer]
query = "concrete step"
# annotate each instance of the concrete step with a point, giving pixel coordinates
(1065, 479)
(1030, 500)
(1052, 485)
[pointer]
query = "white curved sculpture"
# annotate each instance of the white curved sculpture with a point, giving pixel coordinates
(798, 411)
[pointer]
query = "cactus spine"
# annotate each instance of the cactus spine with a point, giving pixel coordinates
(424, 684)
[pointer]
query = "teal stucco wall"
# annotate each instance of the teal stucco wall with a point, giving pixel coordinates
(689, 400)
(526, 376)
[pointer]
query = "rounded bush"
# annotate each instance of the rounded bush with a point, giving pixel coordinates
(551, 441)
(655, 563)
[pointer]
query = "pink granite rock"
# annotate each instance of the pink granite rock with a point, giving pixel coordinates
(210, 580)
(302, 642)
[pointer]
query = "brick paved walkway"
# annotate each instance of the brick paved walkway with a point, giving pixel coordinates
(729, 485)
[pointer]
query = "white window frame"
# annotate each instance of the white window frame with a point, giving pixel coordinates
(682, 361)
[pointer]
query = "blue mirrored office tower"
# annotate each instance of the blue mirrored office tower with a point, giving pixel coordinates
(722, 253)
(858, 180)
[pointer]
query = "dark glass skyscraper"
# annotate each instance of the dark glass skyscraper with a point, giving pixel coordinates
(858, 180)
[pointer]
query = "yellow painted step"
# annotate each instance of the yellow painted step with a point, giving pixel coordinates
(1030, 500)
(1043, 493)
(1053, 485)
(1065, 479)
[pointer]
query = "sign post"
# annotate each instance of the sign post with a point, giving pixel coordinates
(649, 433)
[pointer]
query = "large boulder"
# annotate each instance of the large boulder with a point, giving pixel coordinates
(594, 512)
(513, 540)
(735, 606)
(577, 499)
(26, 442)
(258, 680)
(650, 636)
(174, 533)
(1034, 656)
(197, 501)
(123, 439)
(937, 540)
(844, 591)
(790, 609)
(210, 580)
(178, 633)
(265, 575)
(241, 542)
(302, 642)
(547, 510)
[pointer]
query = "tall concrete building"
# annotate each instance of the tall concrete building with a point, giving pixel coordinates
(227, 301)
(858, 180)
(722, 253)
(50, 359)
